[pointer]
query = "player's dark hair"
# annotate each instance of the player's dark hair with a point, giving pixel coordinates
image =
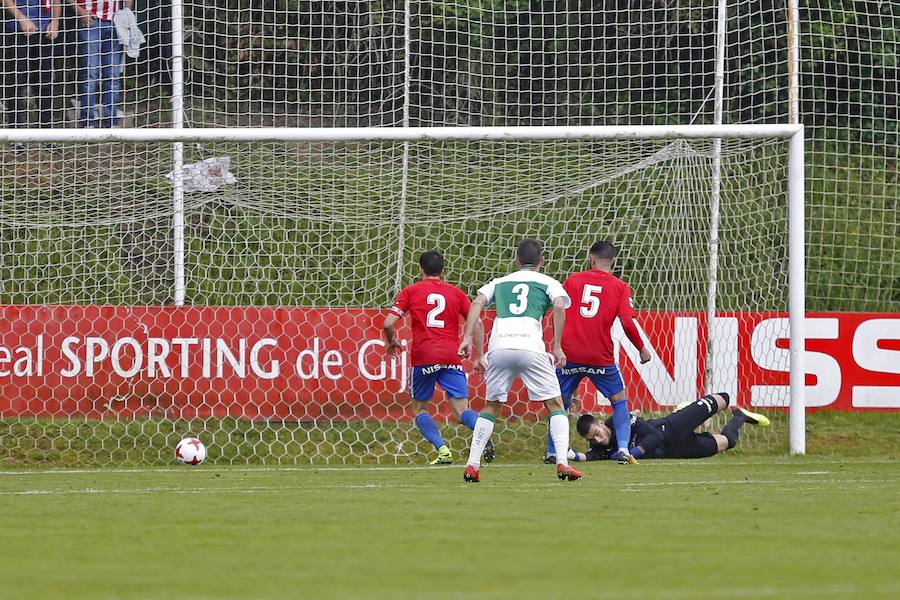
(432, 262)
(529, 251)
(584, 424)
(604, 249)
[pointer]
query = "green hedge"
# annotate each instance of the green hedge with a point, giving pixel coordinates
(320, 228)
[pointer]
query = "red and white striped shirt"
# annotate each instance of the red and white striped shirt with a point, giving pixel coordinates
(101, 9)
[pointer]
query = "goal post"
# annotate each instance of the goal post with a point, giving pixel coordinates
(314, 260)
(797, 296)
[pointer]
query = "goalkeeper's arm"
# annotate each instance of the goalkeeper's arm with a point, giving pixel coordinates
(589, 455)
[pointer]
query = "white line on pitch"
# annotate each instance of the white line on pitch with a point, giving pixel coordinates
(749, 482)
(307, 468)
(769, 591)
(390, 486)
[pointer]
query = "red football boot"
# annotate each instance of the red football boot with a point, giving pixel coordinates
(470, 475)
(567, 473)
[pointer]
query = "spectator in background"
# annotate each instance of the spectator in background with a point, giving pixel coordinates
(28, 34)
(157, 25)
(101, 55)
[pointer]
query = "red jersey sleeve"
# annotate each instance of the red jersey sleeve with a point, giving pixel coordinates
(626, 316)
(401, 303)
(626, 306)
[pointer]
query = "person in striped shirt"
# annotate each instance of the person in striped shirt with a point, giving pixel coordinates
(31, 27)
(101, 55)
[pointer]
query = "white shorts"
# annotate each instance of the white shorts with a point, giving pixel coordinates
(535, 369)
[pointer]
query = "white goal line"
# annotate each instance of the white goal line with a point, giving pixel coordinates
(401, 134)
(209, 467)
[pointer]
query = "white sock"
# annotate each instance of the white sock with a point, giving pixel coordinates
(559, 431)
(480, 436)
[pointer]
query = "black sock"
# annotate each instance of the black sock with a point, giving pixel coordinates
(732, 429)
(710, 399)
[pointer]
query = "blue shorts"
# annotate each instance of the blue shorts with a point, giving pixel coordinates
(607, 380)
(451, 378)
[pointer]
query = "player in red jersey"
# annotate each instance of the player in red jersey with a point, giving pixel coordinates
(598, 298)
(436, 308)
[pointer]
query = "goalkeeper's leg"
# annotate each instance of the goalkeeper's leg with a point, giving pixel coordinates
(696, 413)
(732, 429)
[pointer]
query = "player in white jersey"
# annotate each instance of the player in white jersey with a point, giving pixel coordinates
(517, 349)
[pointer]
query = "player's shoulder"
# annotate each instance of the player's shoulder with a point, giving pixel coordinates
(525, 276)
(578, 276)
(495, 281)
(533, 276)
(434, 285)
(450, 288)
(604, 278)
(617, 280)
(419, 288)
(596, 274)
(411, 288)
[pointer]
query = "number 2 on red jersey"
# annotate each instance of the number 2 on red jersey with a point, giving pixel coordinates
(440, 304)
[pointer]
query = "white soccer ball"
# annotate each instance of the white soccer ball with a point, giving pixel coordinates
(190, 451)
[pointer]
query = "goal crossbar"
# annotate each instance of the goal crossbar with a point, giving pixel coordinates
(408, 134)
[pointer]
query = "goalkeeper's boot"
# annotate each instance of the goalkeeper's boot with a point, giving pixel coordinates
(470, 475)
(489, 453)
(625, 458)
(752, 417)
(549, 459)
(444, 457)
(567, 473)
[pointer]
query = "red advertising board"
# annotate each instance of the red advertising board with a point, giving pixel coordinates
(305, 364)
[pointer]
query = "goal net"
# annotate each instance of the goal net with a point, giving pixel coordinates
(285, 254)
(290, 262)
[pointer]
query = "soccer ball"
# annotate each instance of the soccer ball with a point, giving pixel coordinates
(190, 451)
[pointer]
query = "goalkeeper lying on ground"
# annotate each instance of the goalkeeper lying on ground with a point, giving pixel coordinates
(669, 437)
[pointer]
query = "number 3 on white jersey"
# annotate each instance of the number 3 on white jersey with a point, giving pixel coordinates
(440, 303)
(590, 300)
(521, 292)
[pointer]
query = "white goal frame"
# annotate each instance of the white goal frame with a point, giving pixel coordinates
(794, 133)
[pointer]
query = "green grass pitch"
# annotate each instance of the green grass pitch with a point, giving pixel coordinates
(731, 526)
